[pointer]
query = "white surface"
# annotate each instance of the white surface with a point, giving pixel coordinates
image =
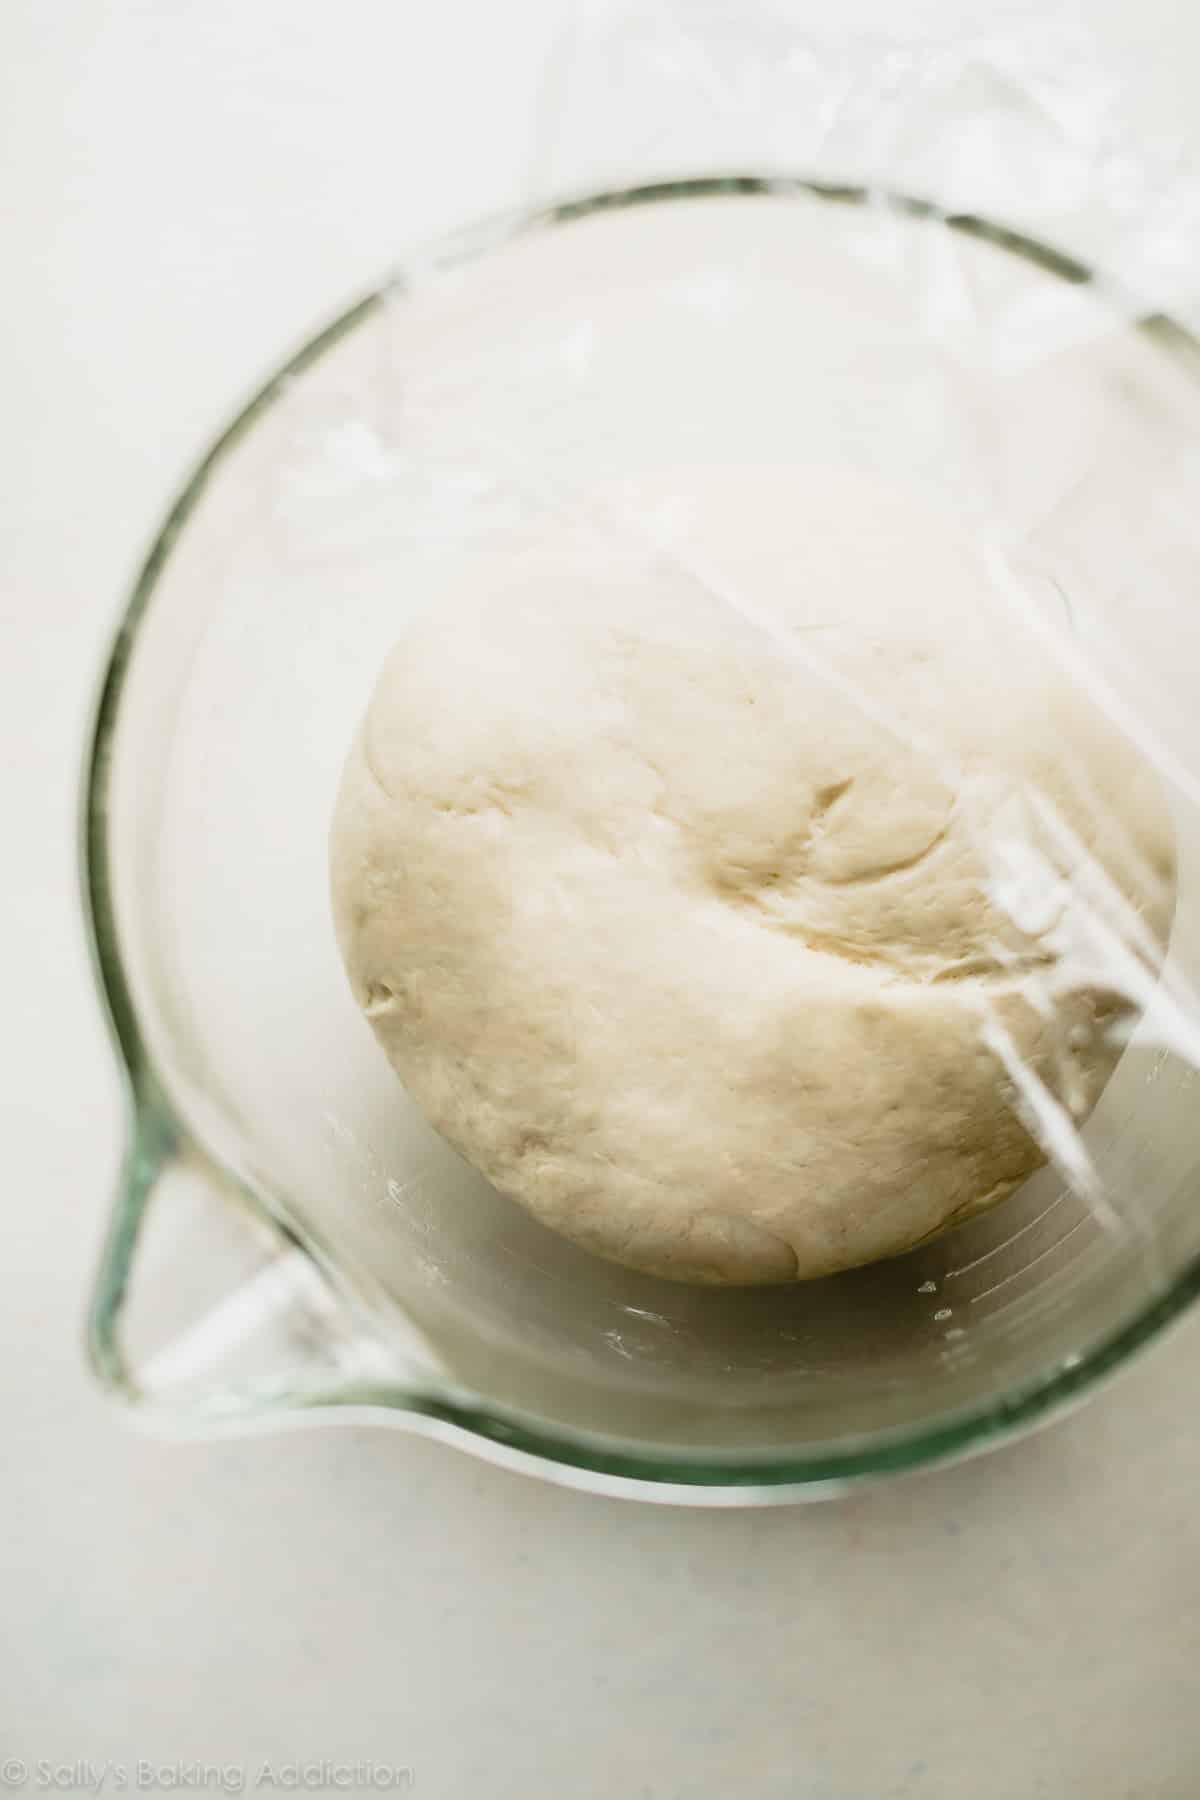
(186, 187)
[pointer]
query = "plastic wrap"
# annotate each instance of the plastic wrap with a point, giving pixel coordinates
(1018, 115)
(997, 242)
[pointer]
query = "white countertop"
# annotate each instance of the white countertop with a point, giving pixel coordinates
(186, 188)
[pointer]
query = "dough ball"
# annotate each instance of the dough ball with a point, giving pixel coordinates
(667, 878)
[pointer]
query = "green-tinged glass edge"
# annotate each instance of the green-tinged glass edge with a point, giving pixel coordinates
(152, 1128)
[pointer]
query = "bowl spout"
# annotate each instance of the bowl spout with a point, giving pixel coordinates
(208, 1310)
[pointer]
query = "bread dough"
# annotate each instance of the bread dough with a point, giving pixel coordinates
(660, 875)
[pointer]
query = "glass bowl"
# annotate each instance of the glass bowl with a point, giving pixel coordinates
(290, 1239)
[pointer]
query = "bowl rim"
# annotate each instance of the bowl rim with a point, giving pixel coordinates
(153, 1126)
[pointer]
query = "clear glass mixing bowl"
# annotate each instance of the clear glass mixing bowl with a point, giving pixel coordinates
(291, 1239)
